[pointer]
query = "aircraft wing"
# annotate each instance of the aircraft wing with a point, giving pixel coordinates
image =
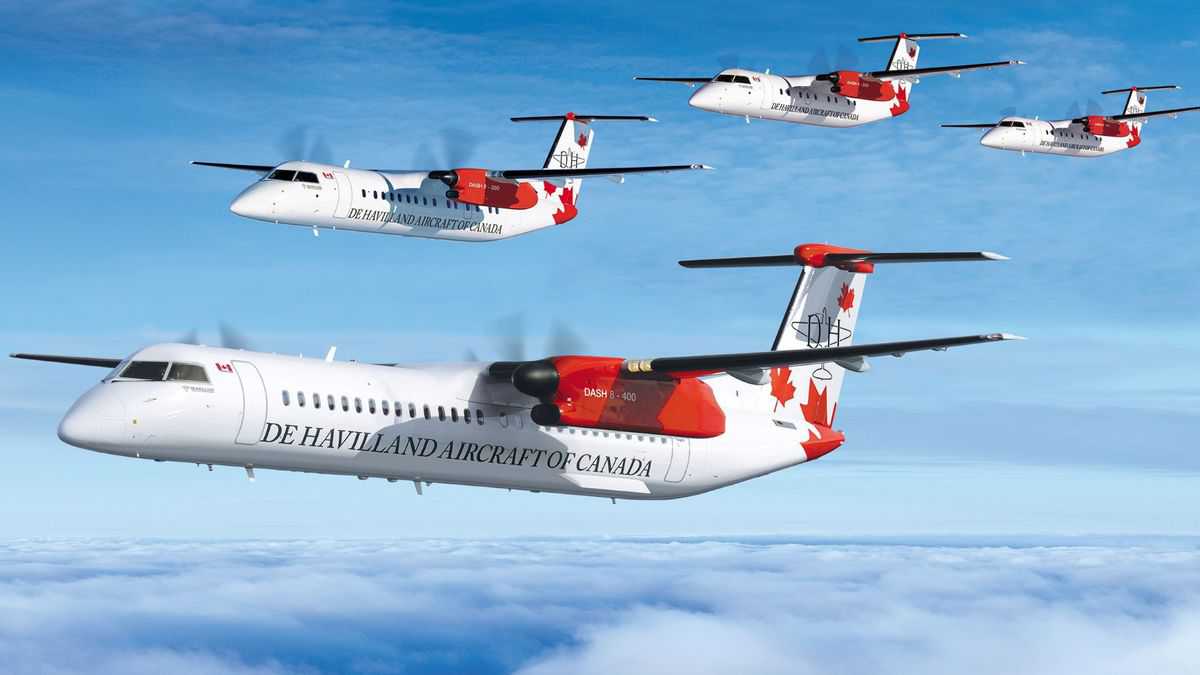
(679, 80)
(516, 174)
(982, 125)
(259, 168)
(939, 70)
(716, 363)
(72, 360)
(1156, 113)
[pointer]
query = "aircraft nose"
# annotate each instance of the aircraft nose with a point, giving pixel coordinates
(706, 98)
(96, 421)
(252, 203)
(991, 139)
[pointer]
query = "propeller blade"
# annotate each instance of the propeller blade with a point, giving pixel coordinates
(189, 338)
(1074, 111)
(1094, 108)
(728, 60)
(320, 151)
(564, 340)
(458, 145)
(512, 337)
(231, 338)
(293, 142)
(847, 58)
(819, 63)
(1010, 111)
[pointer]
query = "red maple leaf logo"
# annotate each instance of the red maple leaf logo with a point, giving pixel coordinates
(568, 210)
(846, 299)
(582, 140)
(816, 408)
(781, 386)
(1135, 137)
(912, 52)
(549, 187)
(901, 105)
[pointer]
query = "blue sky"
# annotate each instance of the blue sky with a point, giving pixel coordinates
(114, 242)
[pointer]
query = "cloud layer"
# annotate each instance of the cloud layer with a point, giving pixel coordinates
(556, 606)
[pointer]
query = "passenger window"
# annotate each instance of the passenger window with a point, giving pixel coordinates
(317, 401)
(412, 411)
(364, 193)
(441, 414)
(306, 177)
(424, 201)
(454, 414)
(300, 398)
(329, 402)
(186, 372)
(478, 416)
(467, 415)
(375, 193)
(383, 405)
(371, 406)
(357, 404)
(345, 404)
(426, 411)
(286, 399)
(145, 370)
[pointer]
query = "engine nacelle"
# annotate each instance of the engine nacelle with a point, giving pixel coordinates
(1098, 125)
(475, 186)
(595, 392)
(852, 84)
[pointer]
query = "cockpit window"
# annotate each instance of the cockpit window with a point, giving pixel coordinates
(741, 79)
(1012, 123)
(187, 372)
(724, 78)
(306, 177)
(145, 370)
(282, 174)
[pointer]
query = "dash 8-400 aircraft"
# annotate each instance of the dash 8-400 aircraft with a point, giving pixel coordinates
(1088, 136)
(655, 428)
(463, 204)
(842, 98)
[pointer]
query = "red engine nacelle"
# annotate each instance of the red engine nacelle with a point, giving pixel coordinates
(1099, 125)
(853, 84)
(475, 186)
(595, 392)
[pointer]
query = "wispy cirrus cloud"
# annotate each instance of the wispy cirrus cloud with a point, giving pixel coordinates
(597, 606)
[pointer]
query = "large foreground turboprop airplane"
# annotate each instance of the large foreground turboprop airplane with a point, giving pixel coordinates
(463, 204)
(654, 428)
(1087, 136)
(842, 98)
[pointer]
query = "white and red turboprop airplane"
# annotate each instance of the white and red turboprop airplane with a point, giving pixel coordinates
(463, 204)
(655, 428)
(842, 98)
(1088, 136)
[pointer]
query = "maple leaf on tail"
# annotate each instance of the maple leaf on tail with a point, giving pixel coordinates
(549, 187)
(582, 142)
(816, 408)
(1135, 137)
(781, 386)
(568, 210)
(846, 299)
(901, 105)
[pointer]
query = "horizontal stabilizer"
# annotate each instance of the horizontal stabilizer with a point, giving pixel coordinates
(716, 363)
(72, 360)
(260, 168)
(825, 256)
(584, 118)
(914, 36)
(940, 70)
(1129, 89)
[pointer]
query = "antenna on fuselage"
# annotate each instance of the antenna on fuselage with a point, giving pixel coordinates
(329, 354)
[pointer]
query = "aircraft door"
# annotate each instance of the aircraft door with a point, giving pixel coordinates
(345, 194)
(254, 403)
(681, 455)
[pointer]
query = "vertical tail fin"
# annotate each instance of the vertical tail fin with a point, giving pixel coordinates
(1135, 102)
(573, 142)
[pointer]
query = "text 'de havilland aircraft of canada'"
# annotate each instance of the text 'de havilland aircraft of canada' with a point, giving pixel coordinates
(463, 204)
(842, 98)
(1086, 136)
(655, 428)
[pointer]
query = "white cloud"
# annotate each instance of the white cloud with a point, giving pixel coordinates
(597, 607)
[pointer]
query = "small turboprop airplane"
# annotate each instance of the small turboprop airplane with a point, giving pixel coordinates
(654, 428)
(1088, 136)
(463, 204)
(842, 98)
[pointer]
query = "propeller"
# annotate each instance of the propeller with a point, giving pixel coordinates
(729, 60)
(1093, 107)
(229, 337)
(512, 339)
(454, 148)
(295, 143)
(847, 59)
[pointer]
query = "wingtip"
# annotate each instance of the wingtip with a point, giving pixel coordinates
(992, 255)
(704, 167)
(1009, 336)
(650, 118)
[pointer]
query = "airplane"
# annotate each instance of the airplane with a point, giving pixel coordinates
(461, 204)
(657, 428)
(1088, 136)
(842, 98)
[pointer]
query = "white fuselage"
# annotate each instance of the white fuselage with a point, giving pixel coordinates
(430, 423)
(801, 99)
(1056, 137)
(403, 203)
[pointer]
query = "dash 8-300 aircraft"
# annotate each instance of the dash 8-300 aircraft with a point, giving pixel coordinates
(842, 98)
(1088, 136)
(463, 204)
(655, 428)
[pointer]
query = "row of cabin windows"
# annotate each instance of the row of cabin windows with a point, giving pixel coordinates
(404, 198)
(606, 434)
(828, 99)
(388, 408)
